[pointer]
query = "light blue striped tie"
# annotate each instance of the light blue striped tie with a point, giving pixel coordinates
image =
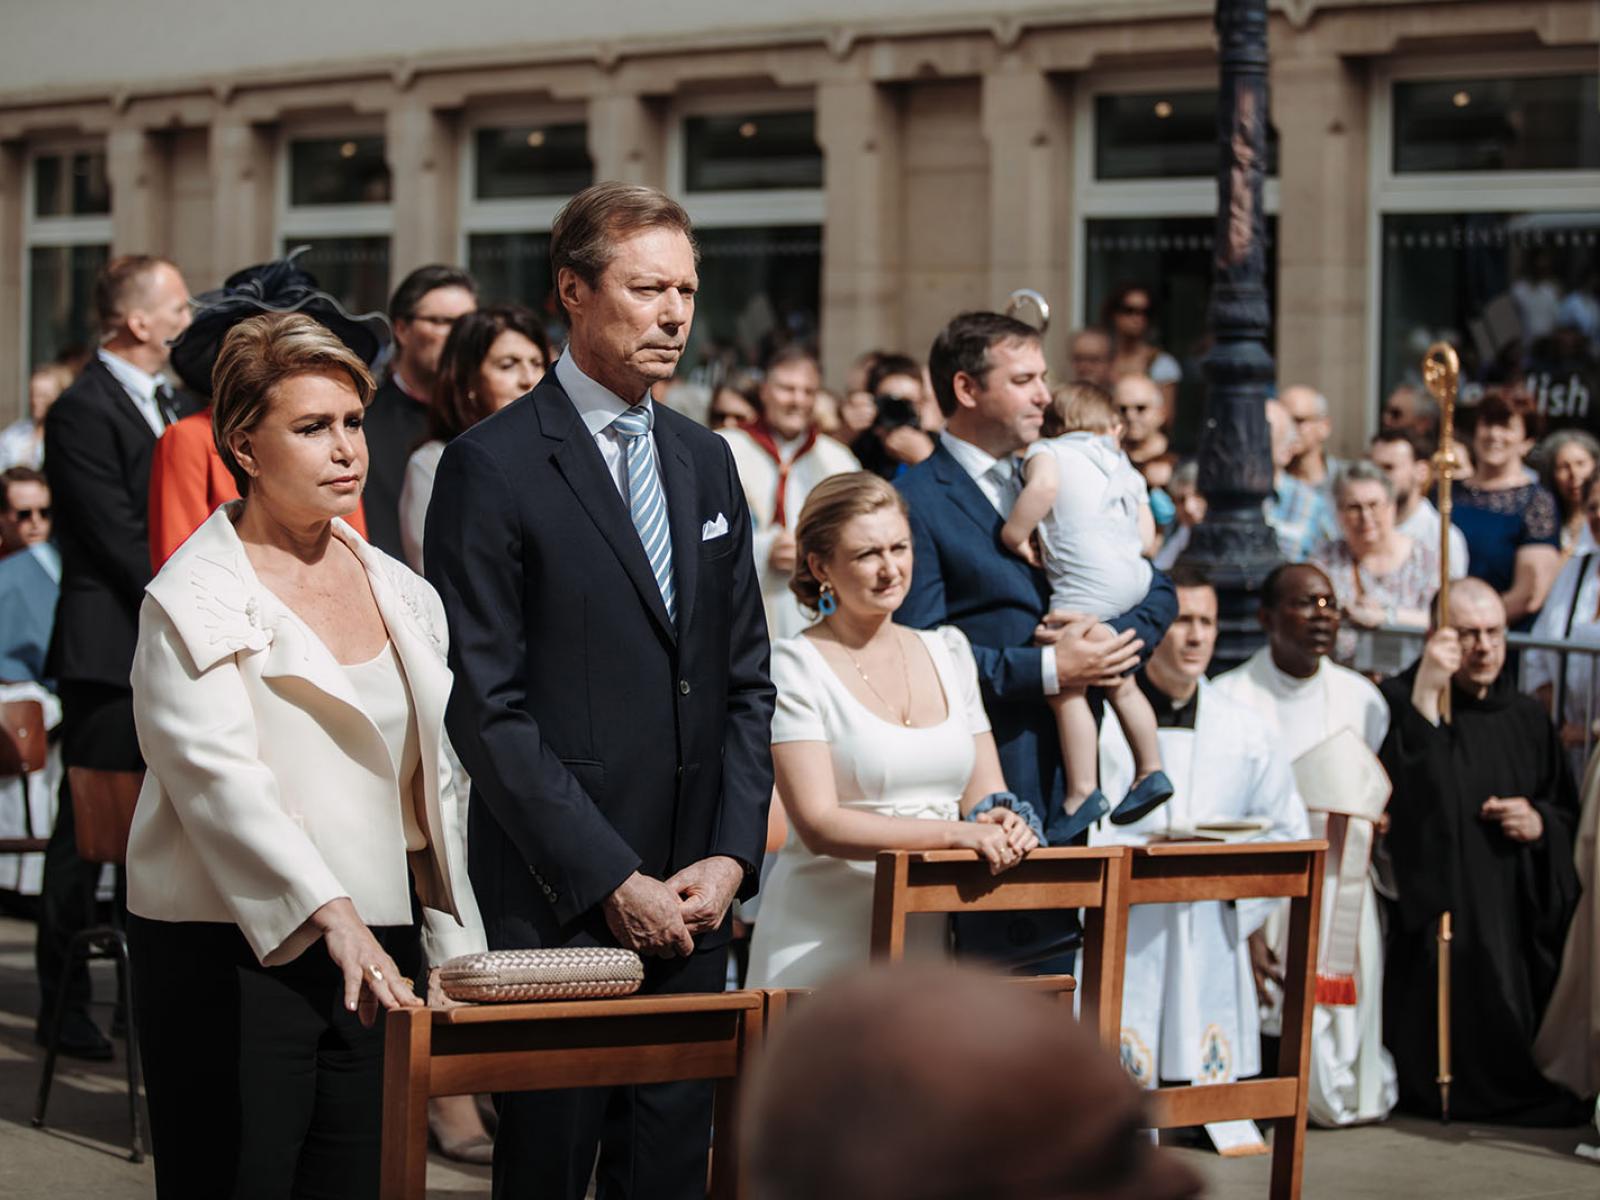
(646, 501)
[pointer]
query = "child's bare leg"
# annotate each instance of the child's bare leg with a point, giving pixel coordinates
(1080, 744)
(1138, 721)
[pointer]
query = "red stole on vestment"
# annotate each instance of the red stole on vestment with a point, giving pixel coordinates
(761, 434)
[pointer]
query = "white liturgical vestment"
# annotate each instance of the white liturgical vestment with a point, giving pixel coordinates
(1189, 1009)
(1352, 1075)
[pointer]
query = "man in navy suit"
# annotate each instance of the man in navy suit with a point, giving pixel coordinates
(989, 375)
(612, 703)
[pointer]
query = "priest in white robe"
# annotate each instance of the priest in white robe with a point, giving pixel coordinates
(1303, 700)
(1189, 1010)
(780, 457)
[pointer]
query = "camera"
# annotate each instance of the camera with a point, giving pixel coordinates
(895, 412)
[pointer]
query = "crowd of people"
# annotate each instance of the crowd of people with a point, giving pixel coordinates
(372, 600)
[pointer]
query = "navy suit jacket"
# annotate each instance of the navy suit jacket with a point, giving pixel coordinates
(601, 736)
(963, 575)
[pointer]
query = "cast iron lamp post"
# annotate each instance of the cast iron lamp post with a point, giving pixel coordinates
(1234, 545)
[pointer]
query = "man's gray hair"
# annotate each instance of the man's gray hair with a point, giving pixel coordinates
(588, 227)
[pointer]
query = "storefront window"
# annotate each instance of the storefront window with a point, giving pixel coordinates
(1518, 294)
(1171, 257)
(1161, 135)
(1542, 123)
(532, 160)
(61, 299)
(760, 288)
(758, 151)
(353, 270)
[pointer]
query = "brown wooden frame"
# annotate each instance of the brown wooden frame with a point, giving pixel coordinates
(562, 1044)
(1185, 872)
(950, 881)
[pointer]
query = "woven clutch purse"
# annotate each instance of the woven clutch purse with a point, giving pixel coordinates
(555, 973)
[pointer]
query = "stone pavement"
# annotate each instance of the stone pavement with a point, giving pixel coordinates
(83, 1151)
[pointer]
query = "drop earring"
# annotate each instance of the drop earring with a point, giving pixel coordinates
(827, 603)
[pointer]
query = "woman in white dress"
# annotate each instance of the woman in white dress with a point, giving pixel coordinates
(880, 742)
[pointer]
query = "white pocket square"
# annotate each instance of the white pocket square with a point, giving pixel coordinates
(714, 529)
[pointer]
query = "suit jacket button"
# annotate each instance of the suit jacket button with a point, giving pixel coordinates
(683, 686)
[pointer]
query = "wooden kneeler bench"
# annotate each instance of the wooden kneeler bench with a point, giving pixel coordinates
(780, 1003)
(563, 1044)
(1179, 872)
(958, 881)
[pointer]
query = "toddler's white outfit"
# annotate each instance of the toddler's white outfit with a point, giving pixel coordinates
(1092, 549)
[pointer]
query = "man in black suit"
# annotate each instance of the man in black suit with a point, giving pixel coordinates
(612, 703)
(423, 310)
(98, 439)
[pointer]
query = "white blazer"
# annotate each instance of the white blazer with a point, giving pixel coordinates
(269, 790)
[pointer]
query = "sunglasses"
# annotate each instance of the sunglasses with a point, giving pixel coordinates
(1134, 310)
(28, 514)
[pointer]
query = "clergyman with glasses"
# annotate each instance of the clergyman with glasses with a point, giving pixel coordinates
(1482, 824)
(1328, 722)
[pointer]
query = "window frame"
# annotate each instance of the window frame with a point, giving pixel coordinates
(750, 207)
(312, 221)
(1392, 193)
(1096, 199)
(51, 233)
(530, 214)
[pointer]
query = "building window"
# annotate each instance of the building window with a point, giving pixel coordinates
(336, 202)
(1537, 123)
(750, 174)
(1489, 233)
(521, 171)
(1161, 135)
(1170, 257)
(1145, 205)
(760, 288)
(531, 160)
(67, 240)
(1516, 293)
(751, 151)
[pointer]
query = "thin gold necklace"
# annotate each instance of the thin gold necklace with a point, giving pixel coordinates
(905, 670)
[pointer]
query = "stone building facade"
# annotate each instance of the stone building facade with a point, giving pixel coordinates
(905, 159)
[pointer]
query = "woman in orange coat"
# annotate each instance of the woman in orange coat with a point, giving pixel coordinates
(187, 479)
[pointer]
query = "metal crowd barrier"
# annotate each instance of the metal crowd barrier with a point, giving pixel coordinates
(1405, 644)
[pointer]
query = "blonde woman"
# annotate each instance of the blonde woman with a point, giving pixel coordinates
(292, 864)
(880, 741)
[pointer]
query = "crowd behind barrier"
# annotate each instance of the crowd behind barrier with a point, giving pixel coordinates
(947, 560)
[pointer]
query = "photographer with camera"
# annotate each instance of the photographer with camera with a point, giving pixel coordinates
(901, 435)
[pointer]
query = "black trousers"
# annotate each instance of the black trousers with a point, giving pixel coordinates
(653, 1140)
(261, 1085)
(96, 731)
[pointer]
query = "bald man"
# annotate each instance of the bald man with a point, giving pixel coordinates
(1481, 826)
(911, 1082)
(1312, 464)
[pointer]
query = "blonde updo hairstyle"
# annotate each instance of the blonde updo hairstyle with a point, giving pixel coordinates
(260, 353)
(832, 505)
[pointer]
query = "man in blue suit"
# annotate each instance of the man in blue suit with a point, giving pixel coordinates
(989, 374)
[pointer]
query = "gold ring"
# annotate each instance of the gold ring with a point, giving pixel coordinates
(376, 974)
(406, 979)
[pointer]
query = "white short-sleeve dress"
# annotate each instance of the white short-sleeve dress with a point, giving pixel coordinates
(816, 911)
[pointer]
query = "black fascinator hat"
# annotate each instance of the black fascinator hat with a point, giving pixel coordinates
(280, 287)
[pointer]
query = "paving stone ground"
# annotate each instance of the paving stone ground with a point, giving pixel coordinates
(83, 1151)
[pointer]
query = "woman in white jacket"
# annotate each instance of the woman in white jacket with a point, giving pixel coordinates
(294, 858)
